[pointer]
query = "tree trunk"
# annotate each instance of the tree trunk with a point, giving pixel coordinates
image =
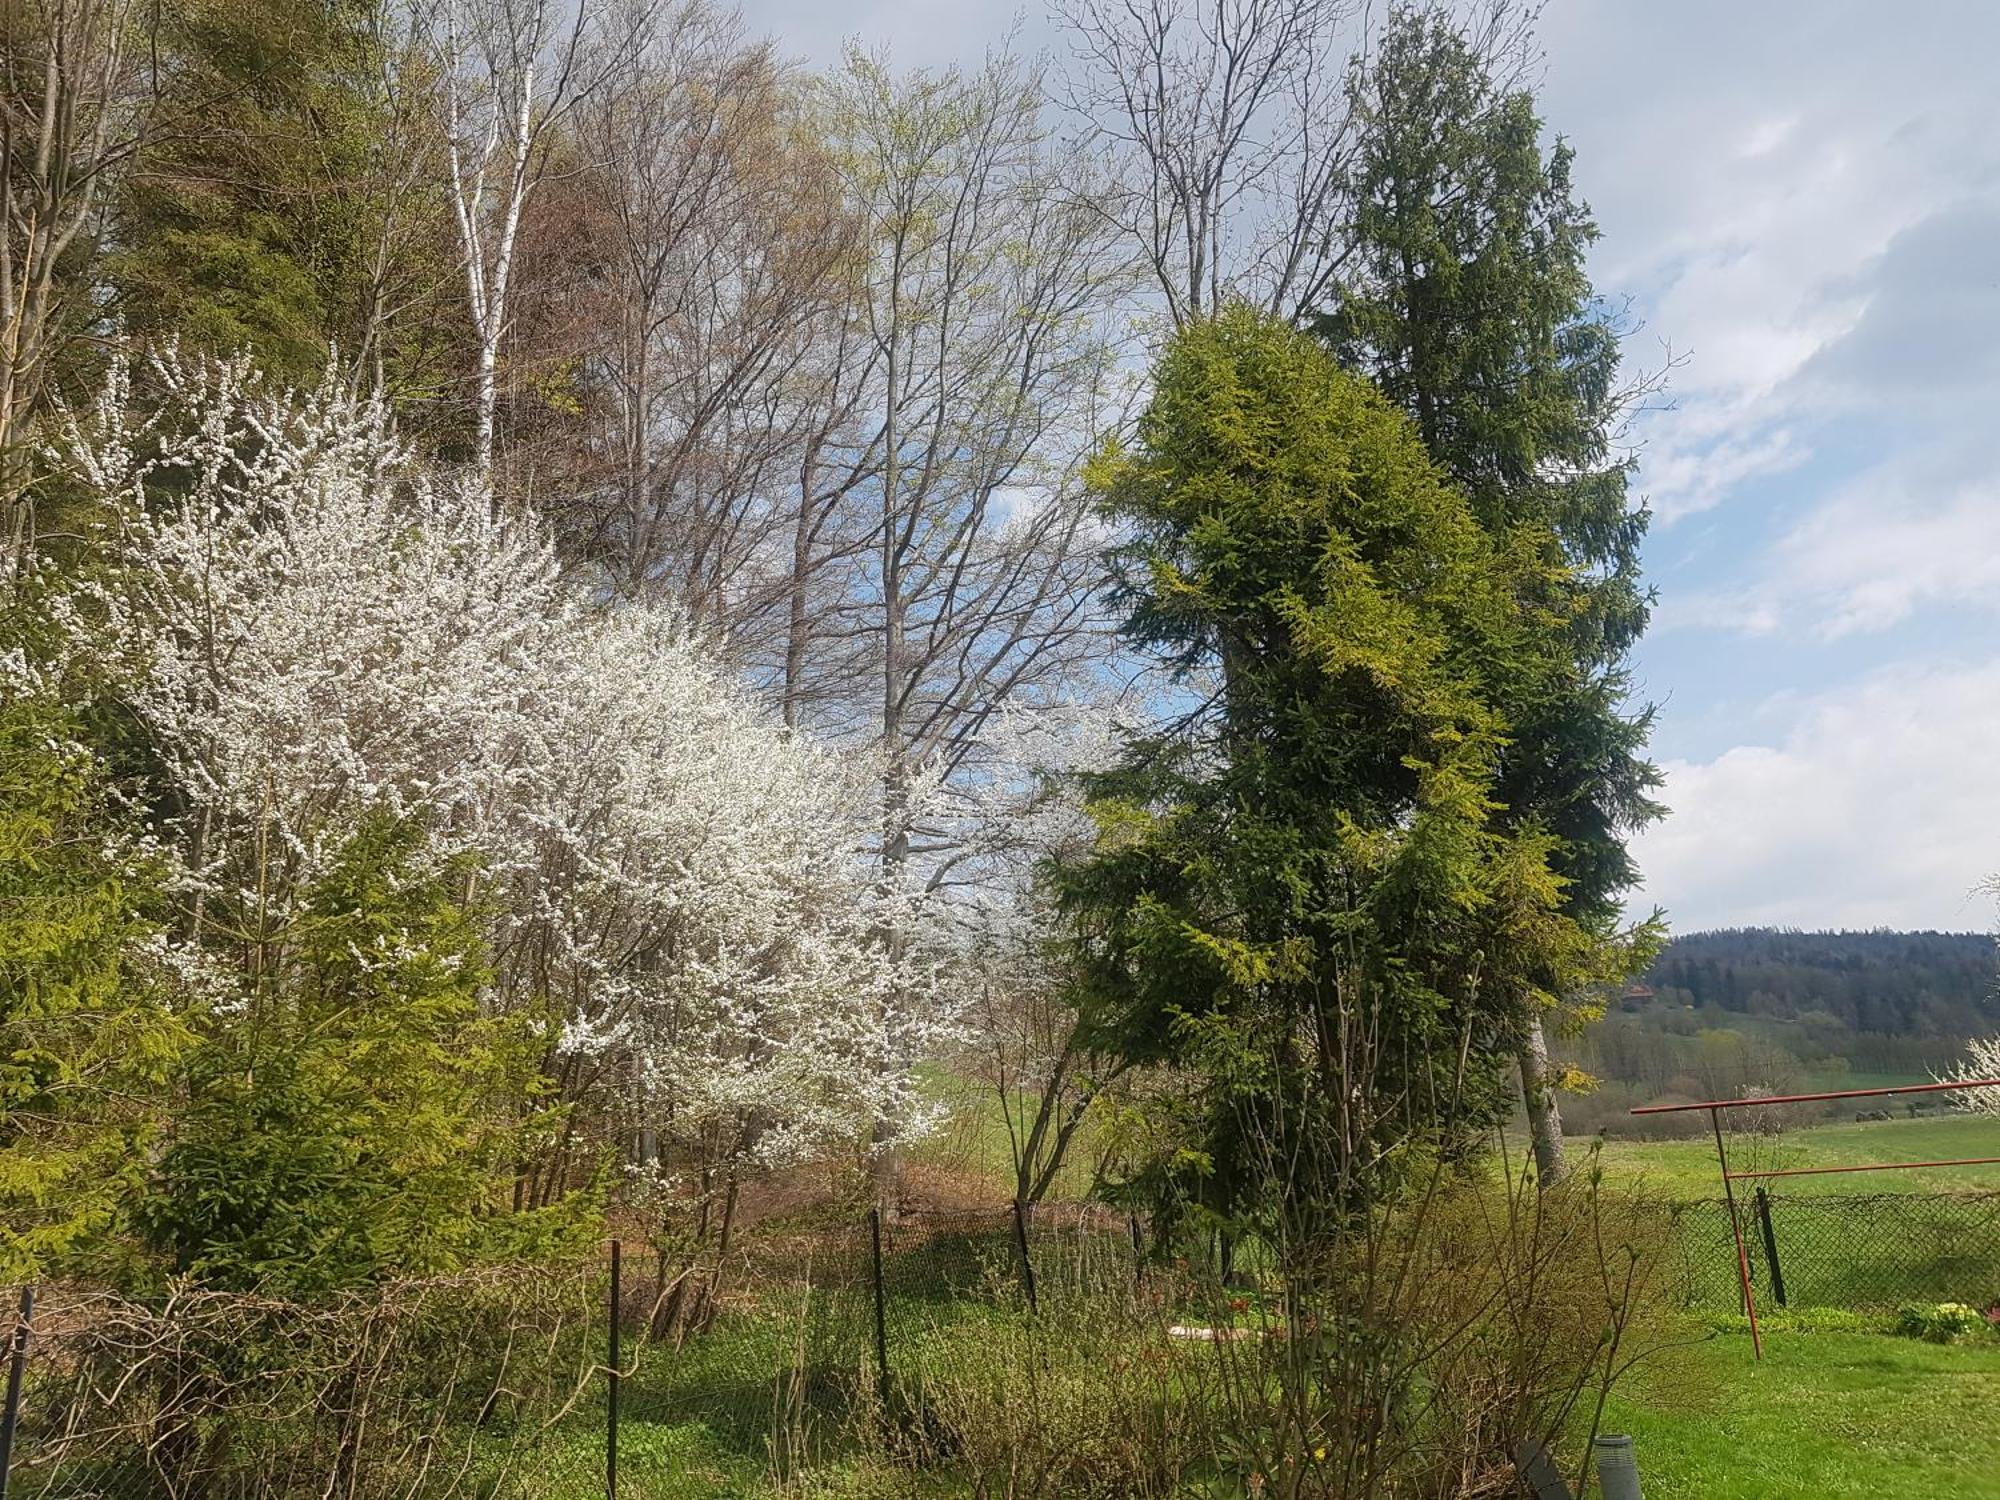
(1544, 1115)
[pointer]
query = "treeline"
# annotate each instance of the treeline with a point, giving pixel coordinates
(581, 601)
(1786, 1011)
(1908, 984)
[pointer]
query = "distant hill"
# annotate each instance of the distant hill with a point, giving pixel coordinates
(1893, 983)
(1779, 1009)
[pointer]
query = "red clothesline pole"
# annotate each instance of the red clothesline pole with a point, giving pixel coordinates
(1736, 1229)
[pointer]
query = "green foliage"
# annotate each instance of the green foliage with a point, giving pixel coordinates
(352, 1117)
(1941, 1322)
(276, 225)
(1302, 893)
(1777, 1320)
(87, 1037)
(1470, 307)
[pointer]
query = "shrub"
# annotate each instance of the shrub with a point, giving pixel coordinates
(1079, 1399)
(1940, 1322)
(1413, 1354)
(363, 1394)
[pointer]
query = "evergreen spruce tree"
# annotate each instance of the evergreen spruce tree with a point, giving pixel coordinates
(1470, 307)
(1302, 900)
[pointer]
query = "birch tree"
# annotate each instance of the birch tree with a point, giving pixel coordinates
(70, 118)
(513, 71)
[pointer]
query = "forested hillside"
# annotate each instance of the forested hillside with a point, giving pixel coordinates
(1777, 1008)
(1897, 983)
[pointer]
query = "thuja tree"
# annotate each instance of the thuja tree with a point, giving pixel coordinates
(1468, 303)
(87, 1037)
(1302, 902)
(354, 1114)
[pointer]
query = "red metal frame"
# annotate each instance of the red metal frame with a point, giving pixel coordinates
(1715, 1107)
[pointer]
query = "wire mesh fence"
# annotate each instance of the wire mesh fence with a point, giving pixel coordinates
(720, 1374)
(785, 1353)
(435, 1387)
(714, 1374)
(1847, 1251)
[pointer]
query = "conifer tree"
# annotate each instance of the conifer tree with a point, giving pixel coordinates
(353, 1117)
(1469, 305)
(87, 1038)
(1301, 898)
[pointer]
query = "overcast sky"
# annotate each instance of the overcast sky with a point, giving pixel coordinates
(1803, 198)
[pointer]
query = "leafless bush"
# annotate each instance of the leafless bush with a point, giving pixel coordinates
(420, 1388)
(1078, 1398)
(1420, 1347)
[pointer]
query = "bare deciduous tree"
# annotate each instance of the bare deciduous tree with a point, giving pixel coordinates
(1228, 120)
(984, 332)
(71, 114)
(728, 261)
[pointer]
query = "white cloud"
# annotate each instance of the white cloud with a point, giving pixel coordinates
(1911, 534)
(1749, 166)
(1875, 554)
(1878, 806)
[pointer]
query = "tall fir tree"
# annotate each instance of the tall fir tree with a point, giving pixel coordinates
(1301, 895)
(1470, 306)
(278, 209)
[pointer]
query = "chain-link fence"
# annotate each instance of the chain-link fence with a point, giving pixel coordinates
(1846, 1251)
(729, 1368)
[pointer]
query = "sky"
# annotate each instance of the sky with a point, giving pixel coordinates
(1801, 199)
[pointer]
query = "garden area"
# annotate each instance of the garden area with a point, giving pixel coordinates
(827, 778)
(1056, 1356)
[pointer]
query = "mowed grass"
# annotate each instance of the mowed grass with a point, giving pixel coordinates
(1687, 1169)
(1825, 1416)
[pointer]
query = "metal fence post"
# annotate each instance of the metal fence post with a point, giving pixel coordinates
(881, 1312)
(1138, 1251)
(1027, 1262)
(16, 1367)
(1770, 1245)
(611, 1405)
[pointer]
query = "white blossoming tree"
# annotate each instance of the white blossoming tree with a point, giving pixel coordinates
(1981, 1065)
(313, 629)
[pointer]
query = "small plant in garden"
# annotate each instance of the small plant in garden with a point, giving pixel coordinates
(1941, 1322)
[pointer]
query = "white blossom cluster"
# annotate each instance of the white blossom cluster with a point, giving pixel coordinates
(1981, 1065)
(313, 626)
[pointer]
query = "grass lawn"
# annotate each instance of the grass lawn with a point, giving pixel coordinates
(1824, 1417)
(1686, 1169)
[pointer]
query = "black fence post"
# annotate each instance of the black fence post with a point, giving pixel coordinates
(881, 1312)
(1770, 1245)
(16, 1367)
(1138, 1250)
(611, 1404)
(1027, 1262)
